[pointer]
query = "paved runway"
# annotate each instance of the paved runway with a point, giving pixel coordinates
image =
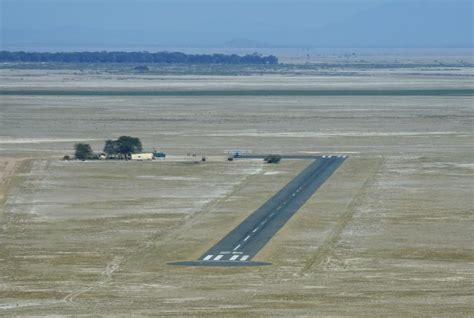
(239, 246)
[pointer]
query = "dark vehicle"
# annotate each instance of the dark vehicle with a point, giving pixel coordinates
(158, 154)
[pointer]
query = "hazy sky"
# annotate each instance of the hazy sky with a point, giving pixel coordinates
(107, 24)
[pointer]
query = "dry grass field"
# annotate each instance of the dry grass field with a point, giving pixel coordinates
(389, 234)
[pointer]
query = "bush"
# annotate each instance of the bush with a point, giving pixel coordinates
(272, 158)
(142, 68)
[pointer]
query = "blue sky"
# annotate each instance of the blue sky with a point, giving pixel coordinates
(290, 23)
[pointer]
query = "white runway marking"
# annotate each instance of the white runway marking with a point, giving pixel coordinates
(244, 258)
(237, 247)
(208, 257)
(233, 258)
(273, 213)
(255, 230)
(293, 194)
(245, 239)
(218, 257)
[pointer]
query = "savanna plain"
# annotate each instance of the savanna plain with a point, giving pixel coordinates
(388, 234)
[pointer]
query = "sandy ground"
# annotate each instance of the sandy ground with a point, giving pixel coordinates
(8, 169)
(389, 234)
(116, 80)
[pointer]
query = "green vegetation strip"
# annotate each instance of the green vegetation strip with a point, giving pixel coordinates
(269, 92)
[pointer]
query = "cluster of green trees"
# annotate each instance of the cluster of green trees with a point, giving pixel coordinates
(123, 147)
(136, 57)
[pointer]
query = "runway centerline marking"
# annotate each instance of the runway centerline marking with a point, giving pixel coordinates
(237, 247)
(245, 239)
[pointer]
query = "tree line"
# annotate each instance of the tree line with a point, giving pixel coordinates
(136, 57)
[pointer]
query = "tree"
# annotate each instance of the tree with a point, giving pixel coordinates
(124, 145)
(111, 147)
(128, 145)
(84, 152)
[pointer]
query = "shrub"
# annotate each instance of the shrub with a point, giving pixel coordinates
(272, 158)
(142, 68)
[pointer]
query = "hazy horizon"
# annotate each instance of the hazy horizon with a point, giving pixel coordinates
(137, 25)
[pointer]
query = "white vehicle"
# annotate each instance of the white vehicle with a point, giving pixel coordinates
(142, 156)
